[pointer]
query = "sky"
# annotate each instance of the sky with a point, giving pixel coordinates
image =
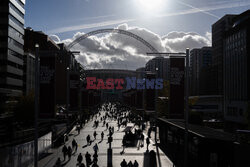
(168, 25)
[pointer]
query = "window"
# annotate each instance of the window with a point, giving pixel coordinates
(10, 52)
(15, 20)
(16, 10)
(15, 32)
(12, 41)
(20, 3)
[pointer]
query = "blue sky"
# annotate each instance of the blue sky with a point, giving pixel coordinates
(168, 25)
(51, 16)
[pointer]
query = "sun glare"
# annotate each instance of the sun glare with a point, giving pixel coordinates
(151, 5)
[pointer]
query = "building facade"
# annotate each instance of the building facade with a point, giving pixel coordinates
(200, 71)
(28, 73)
(160, 66)
(236, 66)
(218, 31)
(11, 48)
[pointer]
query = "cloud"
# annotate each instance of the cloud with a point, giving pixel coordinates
(177, 41)
(55, 38)
(85, 26)
(119, 51)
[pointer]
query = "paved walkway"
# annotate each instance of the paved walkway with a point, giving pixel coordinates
(131, 153)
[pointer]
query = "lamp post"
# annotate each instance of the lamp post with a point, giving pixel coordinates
(186, 96)
(67, 97)
(37, 75)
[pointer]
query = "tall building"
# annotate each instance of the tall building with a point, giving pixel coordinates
(218, 31)
(28, 73)
(11, 48)
(200, 71)
(236, 76)
(160, 66)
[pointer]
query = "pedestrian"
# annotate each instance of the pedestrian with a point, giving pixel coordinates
(95, 134)
(95, 148)
(123, 163)
(88, 139)
(82, 165)
(130, 164)
(107, 125)
(149, 132)
(95, 164)
(88, 159)
(69, 152)
(78, 129)
(58, 163)
(119, 125)
(74, 145)
(136, 164)
(148, 142)
(142, 140)
(79, 158)
(102, 135)
(95, 157)
(123, 144)
(64, 150)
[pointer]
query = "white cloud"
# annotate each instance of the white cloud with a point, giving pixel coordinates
(55, 38)
(123, 52)
(90, 25)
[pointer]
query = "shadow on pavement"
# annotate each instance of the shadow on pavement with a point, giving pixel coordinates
(85, 146)
(43, 155)
(149, 159)
(63, 164)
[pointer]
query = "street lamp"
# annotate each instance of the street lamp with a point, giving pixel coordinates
(186, 95)
(36, 104)
(67, 97)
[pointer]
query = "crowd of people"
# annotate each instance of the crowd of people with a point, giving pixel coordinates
(122, 117)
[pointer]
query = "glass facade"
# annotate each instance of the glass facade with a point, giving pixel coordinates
(11, 47)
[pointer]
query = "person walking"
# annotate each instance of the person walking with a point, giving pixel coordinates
(102, 135)
(95, 157)
(95, 164)
(74, 145)
(149, 132)
(142, 140)
(123, 144)
(69, 152)
(78, 129)
(79, 158)
(95, 148)
(82, 165)
(88, 159)
(95, 134)
(148, 142)
(64, 150)
(130, 164)
(119, 125)
(136, 164)
(107, 125)
(88, 139)
(58, 163)
(123, 163)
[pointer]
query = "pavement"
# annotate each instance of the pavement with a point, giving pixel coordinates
(131, 153)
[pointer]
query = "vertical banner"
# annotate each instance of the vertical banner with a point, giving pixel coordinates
(74, 90)
(177, 87)
(47, 85)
